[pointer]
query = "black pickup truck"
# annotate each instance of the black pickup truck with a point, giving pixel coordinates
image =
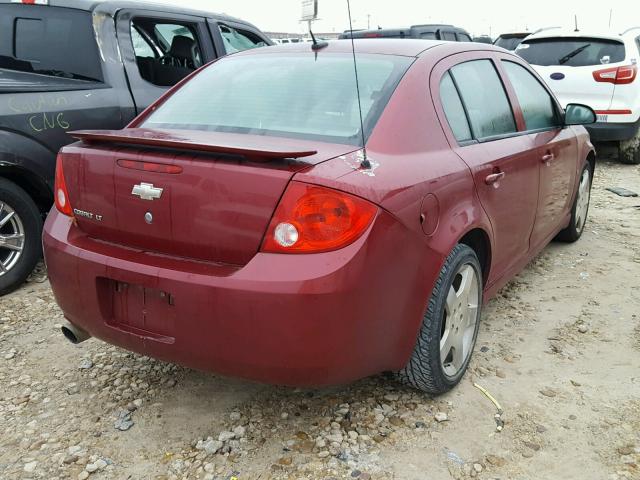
(83, 64)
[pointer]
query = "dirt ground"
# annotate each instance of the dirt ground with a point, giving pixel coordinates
(559, 348)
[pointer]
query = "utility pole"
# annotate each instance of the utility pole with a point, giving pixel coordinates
(610, 16)
(368, 21)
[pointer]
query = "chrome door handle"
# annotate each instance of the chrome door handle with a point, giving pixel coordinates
(494, 178)
(548, 157)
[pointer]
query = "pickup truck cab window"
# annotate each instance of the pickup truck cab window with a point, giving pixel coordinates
(236, 40)
(178, 44)
(142, 46)
(55, 42)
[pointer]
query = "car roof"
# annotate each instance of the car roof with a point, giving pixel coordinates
(112, 6)
(382, 46)
(571, 33)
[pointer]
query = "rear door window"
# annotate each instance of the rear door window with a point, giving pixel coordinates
(537, 105)
(141, 45)
(571, 52)
(463, 37)
(451, 36)
(454, 110)
(50, 41)
(485, 98)
(428, 35)
(166, 52)
(236, 40)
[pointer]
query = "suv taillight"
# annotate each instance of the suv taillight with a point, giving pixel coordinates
(60, 190)
(617, 75)
(312, 219)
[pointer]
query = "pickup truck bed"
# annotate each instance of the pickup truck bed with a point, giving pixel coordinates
(81, 65)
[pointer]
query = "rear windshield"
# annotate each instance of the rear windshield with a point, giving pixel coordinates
(509, 43)
(50, 41)
(572, 52)
(297, 96)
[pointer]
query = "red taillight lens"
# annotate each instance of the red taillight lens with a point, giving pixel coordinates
(60, 190)
(311, 219)
(617, 75)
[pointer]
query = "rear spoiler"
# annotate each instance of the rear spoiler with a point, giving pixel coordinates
(255, 147)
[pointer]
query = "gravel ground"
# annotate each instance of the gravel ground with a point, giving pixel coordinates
(559, 348)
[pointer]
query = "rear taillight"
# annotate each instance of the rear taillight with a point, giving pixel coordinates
(311, 219)
(60, 190)
(617, 75)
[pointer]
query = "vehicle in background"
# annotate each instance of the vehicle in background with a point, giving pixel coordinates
(425, 32)
(483, 39)
(509, 41)
(284, 41)
(238, 226)
(73, 64)
(595, 69)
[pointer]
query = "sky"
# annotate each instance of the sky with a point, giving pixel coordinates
(478, 17)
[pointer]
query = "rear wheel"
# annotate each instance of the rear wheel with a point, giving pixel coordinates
(580, 209)
(630, 150)
(449, 326)
(20, 236)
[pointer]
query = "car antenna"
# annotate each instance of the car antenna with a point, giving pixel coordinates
(365, 163)
(577, 29)
(316, 44)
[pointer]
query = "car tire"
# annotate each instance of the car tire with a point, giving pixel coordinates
(580, 208)
(449, 327)
(630, 150)
(20, 228)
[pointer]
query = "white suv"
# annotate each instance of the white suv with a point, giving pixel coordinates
(598, 70)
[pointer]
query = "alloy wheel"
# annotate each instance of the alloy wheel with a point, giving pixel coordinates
(582, 202)
(12, 238)
(460, 318)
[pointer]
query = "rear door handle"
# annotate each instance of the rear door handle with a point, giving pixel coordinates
(548, 158)
(494, 178)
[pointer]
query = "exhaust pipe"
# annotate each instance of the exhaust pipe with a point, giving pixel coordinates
(74, 334)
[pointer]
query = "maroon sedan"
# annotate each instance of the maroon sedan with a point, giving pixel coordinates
(238, 226)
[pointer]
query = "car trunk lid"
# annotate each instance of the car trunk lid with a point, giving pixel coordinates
(195, 194)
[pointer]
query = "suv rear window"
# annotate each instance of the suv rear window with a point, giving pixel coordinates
(50, 41)
(297, 96)
(571, 52)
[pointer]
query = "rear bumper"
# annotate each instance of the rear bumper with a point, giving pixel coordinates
(613, 132)
(316, 319)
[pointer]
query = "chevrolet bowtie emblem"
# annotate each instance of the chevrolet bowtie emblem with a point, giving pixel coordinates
(146, 191)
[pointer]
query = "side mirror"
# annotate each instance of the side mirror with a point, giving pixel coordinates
(577, 114)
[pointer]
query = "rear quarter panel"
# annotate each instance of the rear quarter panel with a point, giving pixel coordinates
(412, 159)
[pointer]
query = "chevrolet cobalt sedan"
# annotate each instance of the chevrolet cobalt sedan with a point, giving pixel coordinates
(239, 226)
